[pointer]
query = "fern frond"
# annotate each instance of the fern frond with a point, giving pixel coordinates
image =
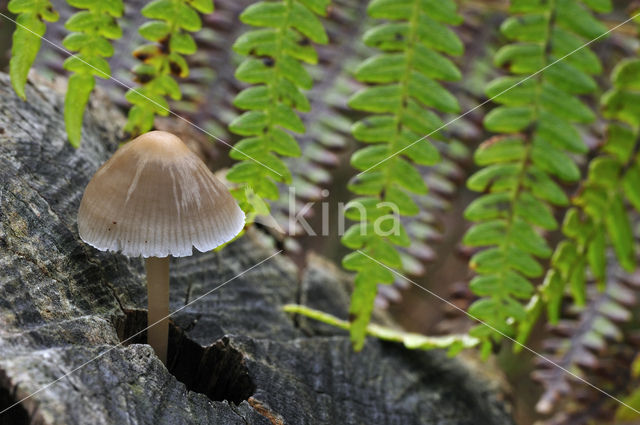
(92, 29)
(403, 93)
(328, 126)
(585, 342)
(598, 217)
(206, 98)
(27, 38)
(274, 68)
(537, 118)
(597, 231)
(163, 58)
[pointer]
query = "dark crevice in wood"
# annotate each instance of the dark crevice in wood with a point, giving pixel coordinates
(217, 371)
(17, 415)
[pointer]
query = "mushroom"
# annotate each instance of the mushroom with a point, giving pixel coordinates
(155, 198)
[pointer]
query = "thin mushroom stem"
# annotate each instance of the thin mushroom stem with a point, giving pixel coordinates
(158, 291)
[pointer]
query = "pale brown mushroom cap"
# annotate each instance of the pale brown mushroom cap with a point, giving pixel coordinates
(155, 198)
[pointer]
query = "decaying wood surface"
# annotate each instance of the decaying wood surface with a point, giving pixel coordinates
(235, 357)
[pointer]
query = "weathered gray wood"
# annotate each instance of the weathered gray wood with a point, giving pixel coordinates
(62, 303)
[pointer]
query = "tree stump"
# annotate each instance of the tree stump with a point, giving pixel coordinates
(235, 357)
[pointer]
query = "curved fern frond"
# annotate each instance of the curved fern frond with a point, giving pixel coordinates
(162, 59)
(92, 29)
(598, 218)
(403, 93)
(537, 117)
(274, 69)
(585, 339)
(27, 38)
